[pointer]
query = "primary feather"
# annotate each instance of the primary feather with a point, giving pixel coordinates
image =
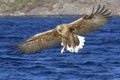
(90, 22)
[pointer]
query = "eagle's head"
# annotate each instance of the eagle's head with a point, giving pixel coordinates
(63, 29)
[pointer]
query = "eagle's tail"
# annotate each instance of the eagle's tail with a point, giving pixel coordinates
(80, 46)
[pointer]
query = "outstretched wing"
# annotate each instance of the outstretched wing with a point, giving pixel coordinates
(40, 41)
(90, 22)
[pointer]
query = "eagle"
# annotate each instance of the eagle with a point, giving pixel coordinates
(68, 34)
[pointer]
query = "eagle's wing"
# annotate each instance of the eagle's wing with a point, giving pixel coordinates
(40, 41)
(90, 22)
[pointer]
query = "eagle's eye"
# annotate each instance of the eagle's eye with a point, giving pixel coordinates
(60, 30)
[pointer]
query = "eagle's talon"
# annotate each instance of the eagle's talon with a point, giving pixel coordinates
(62, 51)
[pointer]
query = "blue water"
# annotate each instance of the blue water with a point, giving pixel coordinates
(98, 60)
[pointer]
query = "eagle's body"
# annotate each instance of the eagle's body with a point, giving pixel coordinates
(67, 34)
(69, 40)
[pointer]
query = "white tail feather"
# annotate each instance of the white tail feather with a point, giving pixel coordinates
(80, 46)
(71, 49)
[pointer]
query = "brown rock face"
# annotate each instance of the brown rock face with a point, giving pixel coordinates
(55, 7)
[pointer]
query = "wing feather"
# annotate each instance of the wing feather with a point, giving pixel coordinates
(90, 22)
(40, 41)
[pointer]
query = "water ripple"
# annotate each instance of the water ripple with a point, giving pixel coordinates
(98, 60)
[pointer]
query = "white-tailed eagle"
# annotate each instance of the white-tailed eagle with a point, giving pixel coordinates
(67, 34)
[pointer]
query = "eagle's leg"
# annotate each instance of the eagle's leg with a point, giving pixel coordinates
(64, 44)
(63, 49)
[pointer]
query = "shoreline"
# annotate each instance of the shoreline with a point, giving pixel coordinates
(49, 16)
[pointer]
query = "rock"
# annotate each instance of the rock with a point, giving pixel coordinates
(56, 7)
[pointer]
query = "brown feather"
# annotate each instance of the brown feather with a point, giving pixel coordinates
(90, 22)
(40, 41)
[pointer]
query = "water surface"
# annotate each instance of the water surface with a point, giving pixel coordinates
(98, 60)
